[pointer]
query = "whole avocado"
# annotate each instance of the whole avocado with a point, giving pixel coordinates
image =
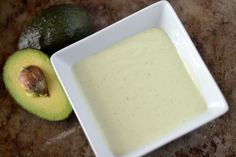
(55, 28)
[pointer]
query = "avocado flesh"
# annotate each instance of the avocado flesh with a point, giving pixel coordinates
(53, 107)
(55, 28)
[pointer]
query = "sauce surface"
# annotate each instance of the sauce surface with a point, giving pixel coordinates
(138, 90)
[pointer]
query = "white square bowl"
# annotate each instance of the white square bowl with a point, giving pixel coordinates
(160, 15)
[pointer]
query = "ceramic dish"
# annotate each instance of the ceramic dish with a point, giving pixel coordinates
(160, 15)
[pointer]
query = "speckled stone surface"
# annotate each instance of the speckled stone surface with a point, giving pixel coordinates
(211, 25)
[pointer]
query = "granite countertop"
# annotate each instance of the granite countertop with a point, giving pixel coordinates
(211, 25)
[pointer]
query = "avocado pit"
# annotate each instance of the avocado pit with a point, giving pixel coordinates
(34, 81)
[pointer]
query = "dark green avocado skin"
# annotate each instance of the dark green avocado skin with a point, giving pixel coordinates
(56, 28)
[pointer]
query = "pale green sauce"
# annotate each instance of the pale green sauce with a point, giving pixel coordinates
(139, 90)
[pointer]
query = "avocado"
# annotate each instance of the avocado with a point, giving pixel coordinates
(31, 81)
(55, 28)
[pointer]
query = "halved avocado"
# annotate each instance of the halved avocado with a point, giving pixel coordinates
(30, 79)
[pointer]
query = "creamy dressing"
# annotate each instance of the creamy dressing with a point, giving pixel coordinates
(138, 90)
